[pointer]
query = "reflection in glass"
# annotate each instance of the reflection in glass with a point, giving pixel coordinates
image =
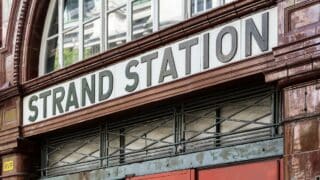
(91, 8)
(141, 18)
(54, 21)
(170, 12)
(117, 27)
(212, 4)
(92, 35)
(70, 47)
(6, 9)
(198, 6)
(228, 1)
(112, 4)
(71, 13)
(52, 57)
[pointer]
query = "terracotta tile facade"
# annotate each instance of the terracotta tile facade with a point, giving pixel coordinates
(293, 67)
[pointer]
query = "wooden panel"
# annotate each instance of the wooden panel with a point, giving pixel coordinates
(266, 170)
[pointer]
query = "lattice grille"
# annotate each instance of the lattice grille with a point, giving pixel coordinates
(139, 141)
(199, 124)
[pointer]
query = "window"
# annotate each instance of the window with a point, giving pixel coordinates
(78, 29)
(5, 7)
(216, 120)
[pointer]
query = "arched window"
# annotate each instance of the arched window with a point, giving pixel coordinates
(5, 7)
(79, 29)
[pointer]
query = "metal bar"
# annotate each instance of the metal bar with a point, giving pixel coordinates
(246, 124)
(122, 145)
(155, 15)
(76, 149)
(235, 120)
(143, 136)
(129, 20)
(60, 31)
(146, 132)
(81, 30)
(103, 26)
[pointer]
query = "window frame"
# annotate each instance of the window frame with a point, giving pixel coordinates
(104, 13)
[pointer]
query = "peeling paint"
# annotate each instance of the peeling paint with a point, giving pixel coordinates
(220, 156)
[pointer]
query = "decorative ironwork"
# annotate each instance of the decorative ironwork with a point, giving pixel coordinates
(204, 123)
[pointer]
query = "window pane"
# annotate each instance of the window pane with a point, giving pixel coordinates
(150, 138)
(171, 12)
(71, 13)
(228, 1)
(115, 3)
(54, 21)
(92, 35)
(212, 4)
(81, 151)
(52, 61)
(239, 117)
(91, 8)
(6, 7)
(193, 6)
(200, 128)
(117, 27)
(200, 5)
(70, 47)
(141, 18)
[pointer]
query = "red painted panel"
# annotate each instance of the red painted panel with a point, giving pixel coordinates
(176, 175)
(281, 169)
(266, 170)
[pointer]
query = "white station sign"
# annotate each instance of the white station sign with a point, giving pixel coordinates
(216, 47)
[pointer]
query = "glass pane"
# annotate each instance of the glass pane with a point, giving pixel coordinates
(141, 18)
(212, 4)
(71, 13)
(6, 7)
(92, 35)
(91, 8)
(76, 150)
(149, 139)
(52, 61)
(54, 21)
(171, 12)
(115, 3)
(200, 5)
(117, 27)
(239, 117)
(200, 125)
(193, 6)
(70, 47)
(228, 1)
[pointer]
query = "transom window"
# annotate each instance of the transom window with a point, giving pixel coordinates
(79, 29)
(5, 7)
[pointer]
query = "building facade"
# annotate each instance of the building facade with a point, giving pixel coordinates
(160, 89)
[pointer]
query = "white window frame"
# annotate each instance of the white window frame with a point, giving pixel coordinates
(104, 12)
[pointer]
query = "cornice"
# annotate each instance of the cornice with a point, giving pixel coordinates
(10, 92)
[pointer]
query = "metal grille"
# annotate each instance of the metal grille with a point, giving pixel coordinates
(228, 123)
(76, 152)
(216, 120)
(153, 136)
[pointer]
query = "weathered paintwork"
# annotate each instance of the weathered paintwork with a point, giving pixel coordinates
(221, 156)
